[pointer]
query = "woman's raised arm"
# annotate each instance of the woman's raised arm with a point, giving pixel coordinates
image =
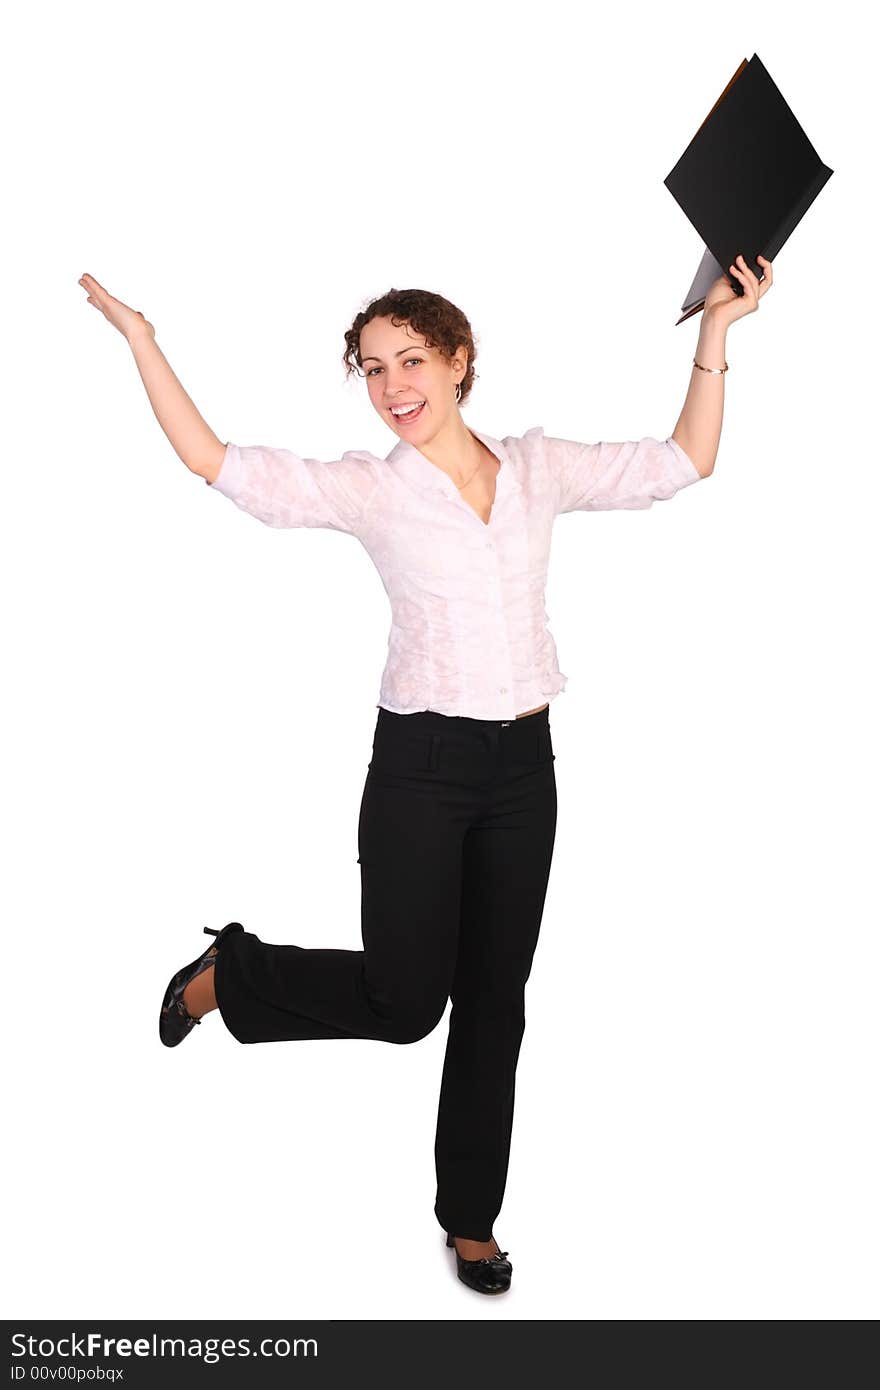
(194, 442)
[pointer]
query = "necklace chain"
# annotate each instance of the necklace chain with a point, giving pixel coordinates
(471, 478)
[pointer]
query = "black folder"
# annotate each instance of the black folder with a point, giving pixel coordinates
(745, 180)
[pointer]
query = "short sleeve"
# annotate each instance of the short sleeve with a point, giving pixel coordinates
(604, 477)
(282, 489)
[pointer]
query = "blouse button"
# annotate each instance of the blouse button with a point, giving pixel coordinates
(503, 690)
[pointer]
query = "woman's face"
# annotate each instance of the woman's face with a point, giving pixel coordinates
(401, 370)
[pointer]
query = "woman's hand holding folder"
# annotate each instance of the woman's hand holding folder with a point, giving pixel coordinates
(724, 302)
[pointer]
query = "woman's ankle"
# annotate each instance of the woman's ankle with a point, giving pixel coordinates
(199, 997)
(475, 1249)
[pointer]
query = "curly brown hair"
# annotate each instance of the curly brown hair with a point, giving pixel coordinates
(442, 325)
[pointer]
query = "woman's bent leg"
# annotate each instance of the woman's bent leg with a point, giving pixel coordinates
(396, 988)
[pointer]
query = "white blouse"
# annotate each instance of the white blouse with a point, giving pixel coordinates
(469, 633)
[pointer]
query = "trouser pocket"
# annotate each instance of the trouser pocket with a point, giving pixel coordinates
(405, 752)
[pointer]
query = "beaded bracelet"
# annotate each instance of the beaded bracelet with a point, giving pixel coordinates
(719, 370)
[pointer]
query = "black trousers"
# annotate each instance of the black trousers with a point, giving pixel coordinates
(455, 838)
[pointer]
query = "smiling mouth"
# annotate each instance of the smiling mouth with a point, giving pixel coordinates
(408, 414)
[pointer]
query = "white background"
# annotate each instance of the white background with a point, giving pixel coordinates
(190, 696)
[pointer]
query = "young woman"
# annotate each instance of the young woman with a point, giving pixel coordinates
(458, 814)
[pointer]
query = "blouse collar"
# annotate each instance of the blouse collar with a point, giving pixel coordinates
(412, 464)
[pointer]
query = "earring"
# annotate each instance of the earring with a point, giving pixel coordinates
(458, 392)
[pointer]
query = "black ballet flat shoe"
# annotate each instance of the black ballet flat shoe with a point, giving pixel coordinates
(489, 1275)
(175, 1020)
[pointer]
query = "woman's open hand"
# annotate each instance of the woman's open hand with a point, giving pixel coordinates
(128, 321)
(726, 305)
